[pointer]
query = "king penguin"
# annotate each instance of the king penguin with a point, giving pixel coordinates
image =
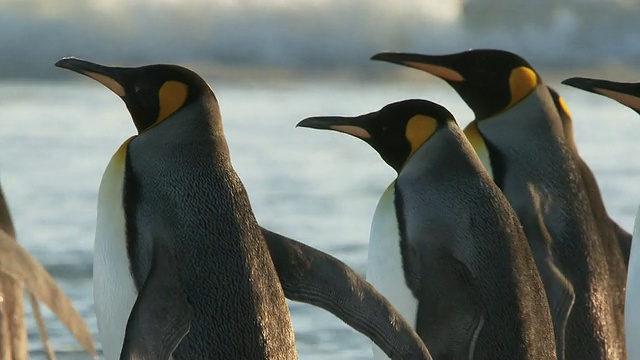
(591, 185)
(445, 247)
(181, 269)
(518, 133)
(627, 94)
(178, 120)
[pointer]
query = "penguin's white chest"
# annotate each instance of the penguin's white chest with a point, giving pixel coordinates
(632, 301)
(384, 266)
(114, 291)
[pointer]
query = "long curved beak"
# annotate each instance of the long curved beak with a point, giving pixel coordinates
(355, 126)
(111, 77)
(627, 94)
(433, 64)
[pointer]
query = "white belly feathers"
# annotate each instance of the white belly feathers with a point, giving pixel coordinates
(384, 266)
(114, 291)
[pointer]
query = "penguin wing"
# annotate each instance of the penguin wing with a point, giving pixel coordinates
(624, 240)
(314, 277)
(161, 315)
(18, 263)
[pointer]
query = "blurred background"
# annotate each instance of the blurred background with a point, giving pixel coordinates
(271, 64)
(310, 35)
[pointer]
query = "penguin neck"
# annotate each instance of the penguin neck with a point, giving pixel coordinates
(530, 129)
(195, 127)
(448, 145)
(536, 113)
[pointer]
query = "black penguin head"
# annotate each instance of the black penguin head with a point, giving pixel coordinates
(152, 93)
(627, 94)
(396, 131)
(489, 81)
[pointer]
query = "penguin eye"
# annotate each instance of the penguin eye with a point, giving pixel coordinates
(144, 95)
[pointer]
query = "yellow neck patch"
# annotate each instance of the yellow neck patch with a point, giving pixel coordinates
(522, 82)
(477, 142)
(437, 70)
(563, 107)
(419, 130)
(171, 97)
(625, 99)
(121, 153)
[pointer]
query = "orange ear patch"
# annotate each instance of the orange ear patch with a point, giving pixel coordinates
(419, 130)
(171, 97)
(522, 81)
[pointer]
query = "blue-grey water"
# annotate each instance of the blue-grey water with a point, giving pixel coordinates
(319, 187)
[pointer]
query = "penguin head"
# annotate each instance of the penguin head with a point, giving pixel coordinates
(396, 131)
(151, 93)
(489, 81)
(627, 94)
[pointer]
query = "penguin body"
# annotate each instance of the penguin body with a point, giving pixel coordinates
(203, 280)
(181, 268)
(608, 227)
(385, 263)
(114, 290)
(518, 127)
(627, 94)
(542, 180)
(457, 263)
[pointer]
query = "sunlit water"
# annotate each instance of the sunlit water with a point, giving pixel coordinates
(319, 187)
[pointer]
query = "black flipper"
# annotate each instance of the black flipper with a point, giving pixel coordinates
(462, 304)
(161, 315)
(311, 276)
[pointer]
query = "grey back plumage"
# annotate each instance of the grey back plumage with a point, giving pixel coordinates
(539, 174)
(182, 191)
(474, 256)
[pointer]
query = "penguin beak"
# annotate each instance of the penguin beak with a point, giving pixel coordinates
(355, 126)
(625, 93)
(428, 63)
(107, 76)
